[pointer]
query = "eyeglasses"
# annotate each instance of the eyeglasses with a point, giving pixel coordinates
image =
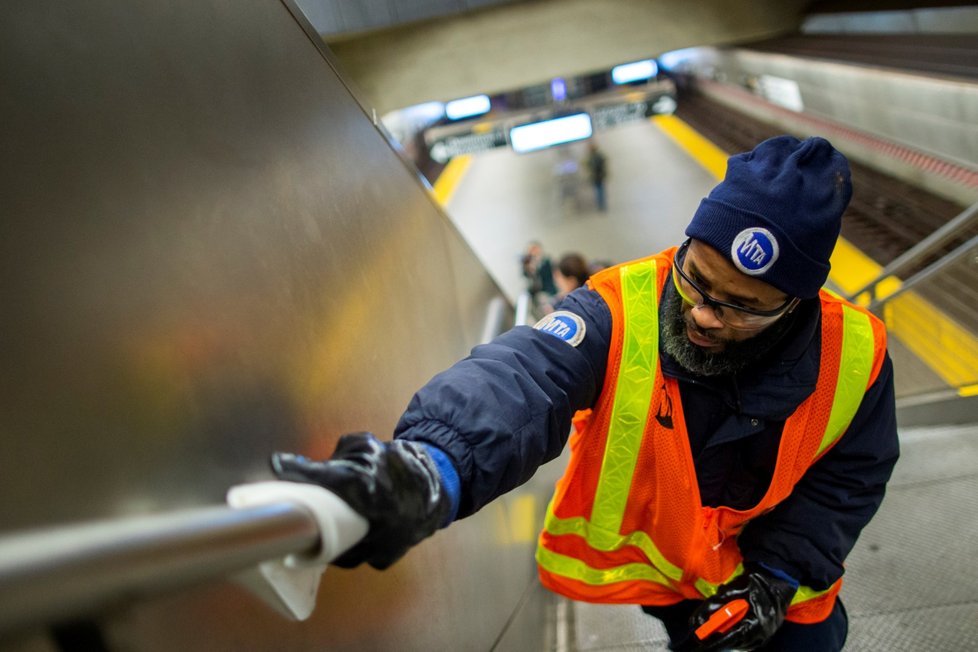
(734, 316)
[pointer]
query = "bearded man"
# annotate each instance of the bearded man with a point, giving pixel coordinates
(733, 424)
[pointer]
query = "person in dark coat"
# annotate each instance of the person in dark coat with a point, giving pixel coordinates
(597, 167)
(571, 273)
(538, 271)
(723, 355)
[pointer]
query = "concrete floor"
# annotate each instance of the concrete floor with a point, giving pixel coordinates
(911, 580)
(911, 584)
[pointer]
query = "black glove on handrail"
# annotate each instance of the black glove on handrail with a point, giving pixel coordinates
(768, 597)
(394, 485)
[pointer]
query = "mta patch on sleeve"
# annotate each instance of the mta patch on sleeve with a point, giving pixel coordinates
(563, 325)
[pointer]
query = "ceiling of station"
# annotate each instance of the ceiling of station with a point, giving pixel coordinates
(403, 52)
(493, 46)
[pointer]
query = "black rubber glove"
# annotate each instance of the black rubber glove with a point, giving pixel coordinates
(394, 485)
(768, 598)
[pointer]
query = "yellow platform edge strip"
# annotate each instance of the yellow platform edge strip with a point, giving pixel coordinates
(704, 152)
(450, 178)
(949, 349)
(970, 390)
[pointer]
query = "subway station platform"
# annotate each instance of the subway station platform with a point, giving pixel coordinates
(504, 200)
(911, 583)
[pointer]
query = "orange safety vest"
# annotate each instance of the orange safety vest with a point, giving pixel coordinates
(626, 524)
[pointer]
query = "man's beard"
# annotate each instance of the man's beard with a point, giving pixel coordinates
(735, 356)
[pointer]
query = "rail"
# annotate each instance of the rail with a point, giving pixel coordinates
(62, 573)
(495, 315)
(965, 249)
(524, 307)
(918, 252)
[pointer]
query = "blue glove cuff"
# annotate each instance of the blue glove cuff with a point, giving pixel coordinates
(450, 482)
(780, 574)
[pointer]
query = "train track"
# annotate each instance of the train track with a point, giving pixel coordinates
(946, 55)
(886, 217)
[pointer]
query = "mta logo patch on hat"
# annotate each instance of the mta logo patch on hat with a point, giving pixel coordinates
(778, 212)
(754, 250)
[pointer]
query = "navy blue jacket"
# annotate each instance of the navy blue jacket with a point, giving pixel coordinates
(506, 409)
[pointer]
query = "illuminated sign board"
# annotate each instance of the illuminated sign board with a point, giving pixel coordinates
(467, 107)
(632, 72)
(609, 115)
(470, 143)
(548, 133)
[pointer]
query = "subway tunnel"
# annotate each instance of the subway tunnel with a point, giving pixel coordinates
(215, 248)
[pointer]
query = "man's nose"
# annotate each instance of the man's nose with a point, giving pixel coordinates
(706, 317)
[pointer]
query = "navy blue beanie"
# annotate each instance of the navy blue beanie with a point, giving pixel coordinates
(778, 211)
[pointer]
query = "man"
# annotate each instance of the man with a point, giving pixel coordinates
(734, 425)
(538, 271)
(597, 166)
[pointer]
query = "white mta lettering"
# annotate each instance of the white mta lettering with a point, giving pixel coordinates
(558, 328)
(753, 251)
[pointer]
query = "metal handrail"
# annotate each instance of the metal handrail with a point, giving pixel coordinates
(923, 248)
(61, 573)
(497, 311)
(931, 270)
(524, 302)
(494, 319)
(66, 572)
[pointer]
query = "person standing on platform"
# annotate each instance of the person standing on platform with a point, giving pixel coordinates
(571, 273)
(538, 272)
(597, 167)
(734, 423)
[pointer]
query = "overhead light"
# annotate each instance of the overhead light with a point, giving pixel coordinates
(547, 133)
(676, 58)
(636, 71)
(467, 107)
(558, 89)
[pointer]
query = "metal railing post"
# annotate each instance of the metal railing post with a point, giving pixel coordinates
(923, 248)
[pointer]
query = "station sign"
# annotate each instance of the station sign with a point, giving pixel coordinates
(447, 147)
(542, 134)
(609, 115)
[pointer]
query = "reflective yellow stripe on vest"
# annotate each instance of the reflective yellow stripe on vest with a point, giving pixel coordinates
(633, 394)
(801, 595)
(858, 351)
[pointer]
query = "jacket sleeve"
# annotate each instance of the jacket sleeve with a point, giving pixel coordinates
(506, 409)
(810, 534)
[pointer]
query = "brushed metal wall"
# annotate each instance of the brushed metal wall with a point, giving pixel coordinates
(208, 252)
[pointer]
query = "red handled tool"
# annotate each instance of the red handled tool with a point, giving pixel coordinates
(723, 619)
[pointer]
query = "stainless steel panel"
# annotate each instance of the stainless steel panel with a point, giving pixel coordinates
(207, 253)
